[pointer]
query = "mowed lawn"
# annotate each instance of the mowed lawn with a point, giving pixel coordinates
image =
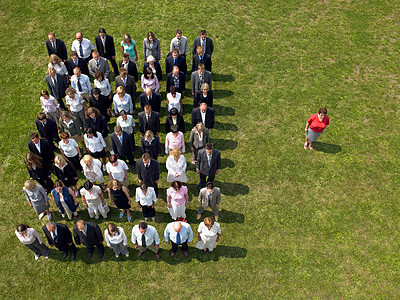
(295, 223)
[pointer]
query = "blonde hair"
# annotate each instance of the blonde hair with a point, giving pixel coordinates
(87, 158)
(57, 59)
(175, 152)
(113, 182)
(60, 160)
(30, 185)
(70, 91)
(149, 134)
(120, 89)
(199, 126)
(205, 86)
(51, 70)
(208, 221)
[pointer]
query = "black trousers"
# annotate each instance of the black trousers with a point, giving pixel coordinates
(100, 249)
(148, 211)
(47, 183)
(203, 180)
(185, 246)
(61, 102)
(67, 248)
(114, 65)
(75, 162)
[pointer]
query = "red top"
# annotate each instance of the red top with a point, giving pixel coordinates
(315, 124)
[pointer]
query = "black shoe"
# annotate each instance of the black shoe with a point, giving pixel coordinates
(205, 252)
(101, 255)
(132, 167)
(89, 255)
(65, 254)
(73, 255)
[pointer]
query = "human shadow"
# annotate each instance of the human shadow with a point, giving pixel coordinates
(232, 189)
(222, 144)
(326, 147)
(224, 216)
(219, 94)
(227, 163)
(220, 110)
(223, 77)
(225, 126)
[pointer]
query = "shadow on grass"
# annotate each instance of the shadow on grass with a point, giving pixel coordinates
(220, 110)
(224, 126)
(222, 144)
(223, 77)
(327, 148)
(232, 189)
(220, 94)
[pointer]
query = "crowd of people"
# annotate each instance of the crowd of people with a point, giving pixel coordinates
(73, 136)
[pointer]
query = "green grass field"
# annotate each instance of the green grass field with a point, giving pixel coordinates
(295, 223)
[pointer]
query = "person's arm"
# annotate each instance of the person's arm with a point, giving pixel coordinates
(124, 239)
(166, 144)
(126, 175)
(103, 143)
(169, 201)
(183, 143)
(134, 238)
(156, 240)
(186, 200)
(142, 82)
(37, 235)
(136, 56)
(107, 239)
(190, 238)
(110, 197)
(166, 235)
(107, 70)
(84, 200)
(71, 192)
(157, 84)
(102, 198)
(28, 199)
(127, 194)
(144, 50)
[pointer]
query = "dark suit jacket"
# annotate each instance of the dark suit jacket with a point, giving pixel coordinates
(198, 99)
(132, 69)
(180, 123)
(64, 236)
(153, 149)
(202, 163)
(127, 147)
(206, 60)
(60, 51)
(130, 86)
(81, 64)
(149, 175)
(99, 125)
(103, 104)
(110, 48)
(155, 102)
(57, 91)
(180, 62)
(153, 124)
(49, 131)
(158, 69)
(170, 82)
(46, 151)
(92, 238)
(209, 45)
(196, 117)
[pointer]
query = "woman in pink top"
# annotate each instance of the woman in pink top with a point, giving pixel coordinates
(315, 126)
(177, 200)
(148, 79)
(174, 139)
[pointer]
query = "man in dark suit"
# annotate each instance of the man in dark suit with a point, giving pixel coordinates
(47, 129)
(153, 99)
(175, 60)
(57, 84)
(208, 164)
(60, 236)
(90, 235)
(129, 66)
(42, 148)
(74, 62)
(203, 41)
(123, 144)
(149, 120)
(174, 118)
(128, 82)
(201, 58)
(176, 79)
(148, 171)
(198, 78)
(204, 115)
(56, 46)
(105, 47)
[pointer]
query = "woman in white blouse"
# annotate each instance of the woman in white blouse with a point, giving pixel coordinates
(92, 170)
(176, 166)
(122, 101)
(70, 150)
(93, 199)
(32, 240)
(58, 65)
(174, 99)
(127, 123)
(208, 235)
(116, 239)
(102, 84)
(117, 169)
(146, 198)
(96, 145)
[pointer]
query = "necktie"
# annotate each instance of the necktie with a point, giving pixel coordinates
(174, 61)
(209, 199)
(80, 50)
(55, 237)
(120, 139)
(209, 160)
(178, 238)
(79, 85)
(148, 117)
(104, 44)
(97, 63)
(54, 45)
(143, 241)
(147, 167)
(54, 81)
(76, 63)
(201, 80)
(123, 80)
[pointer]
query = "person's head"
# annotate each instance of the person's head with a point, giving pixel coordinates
(59, 160)
(52, 37)
(31, 159)
(148, 73)
(22, 229)
(30, 185)
(79, 37)
(322, 112)
(174, 128)
(102, 32)
(96, 92)
(148, 91)
(178, 34)
(81, 225)
(175, 53)
(127, 38)
(87, 160)
(90, 132)
(99, 75)
(172, 90)
(112, 229)
(177, 226)
(199, 50)
(120, 91)
(64, 137)
(95, 55)
(66, 116)
(77, 72)
(125, 58)
(173, 112)
(176, 185)
(203, 34)
(209, 148)
(144, 187)
(113, 160)
(175, 70)
(150, 37)
(118, 130)
(42, 117)
(123, 115)
(58, 185)
(149, 135)
(44, 94)
(55, 60)
(92, 112)
(142, 227)
(201, 68)
(199, 127)
(51, 226)
(88, 185)
(73, 55)
(70, 92)
(209, 222)
(205, 88)
(52, 72)
(34, 137)
(146, 158)
(210, 187)
(147, 109)
(203, 107)
(123, 73)
(176, 153)
(151, 59)
(115, 185)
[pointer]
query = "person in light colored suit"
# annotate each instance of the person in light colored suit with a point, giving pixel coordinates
(199, 137)
(98, 63)
(198, 78)
(209, 196)
(151, 46)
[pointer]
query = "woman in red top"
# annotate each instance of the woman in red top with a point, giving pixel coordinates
(315, 126)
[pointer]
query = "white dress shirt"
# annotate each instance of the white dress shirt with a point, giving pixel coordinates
(75, 105)
(70, 148)
(126, 104)
(117, 172)
(186, 232)
(62, 70)
(174, 102)
(95, 144)
(104, 86)
(151, 236)
(148, 199)
(203, 116)
(87, 47)
(85, 83)
(31, 236)
(174, 167)
(116, 239)
(127, 126)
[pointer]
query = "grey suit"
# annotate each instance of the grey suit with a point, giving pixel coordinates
(103, 66)
(155, 51)
(194, 141)
(213, 201)
(196, 83)
(205, 169)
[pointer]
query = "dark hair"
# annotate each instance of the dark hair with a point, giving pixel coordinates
(44, 92)
(102, 30)
(203, 32)
(22, 227)
(90, 130)
(113, 228)
(64, 135)
(147, 72)
(122, 113)
(172, 90)
(144, 186)
(58, 183)
(126, 55)
(87, 185)
(179, 31)
(323, 110)
(175, 51)
(34, 135)
(176, 185)
(174, 128)
(96, 91)
(73, 53)
(142, 225)
(210, 185)
(209, 146)
(32, 159)
(41, 116)
(99, 74)
(173, 112)
(113, 158)
(152, 35)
